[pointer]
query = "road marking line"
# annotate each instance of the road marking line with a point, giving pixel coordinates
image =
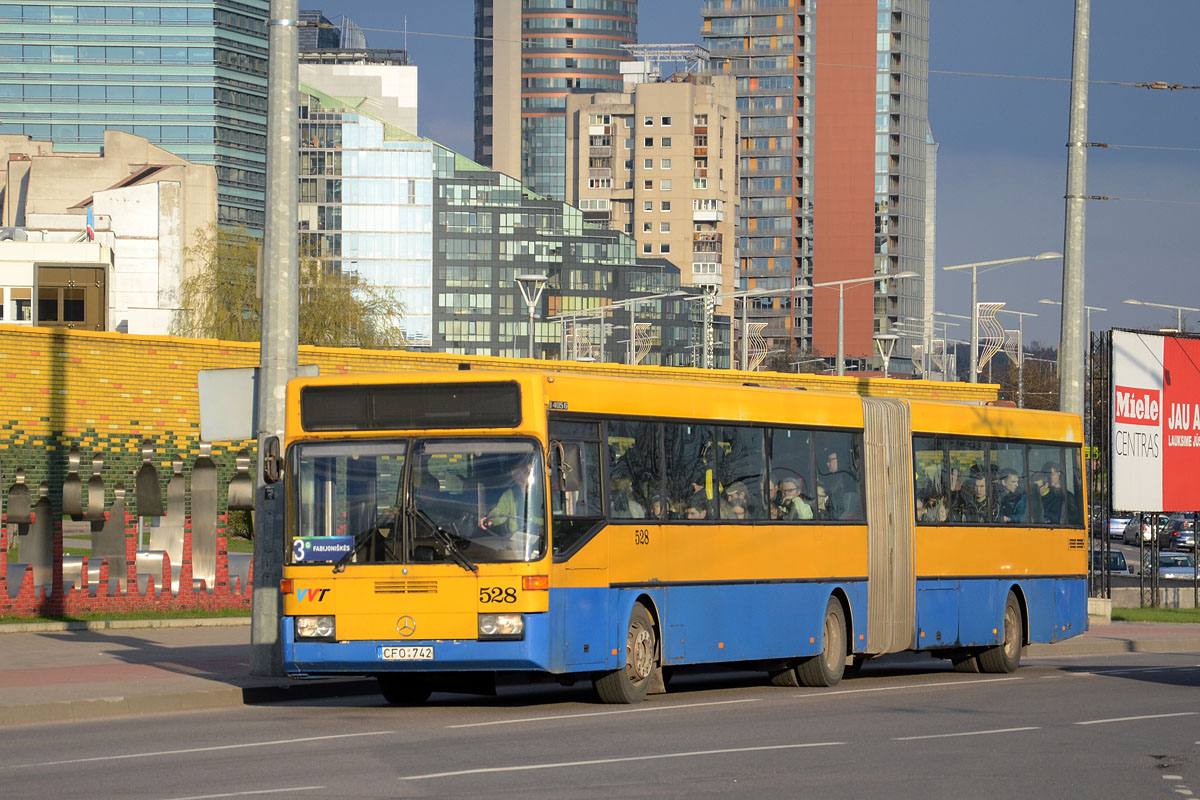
(251, 792)
(1172, 777)
(1132, 719)
(600, 713)
(593, 762)
(198, 749)
(913, 686)
(964, 733)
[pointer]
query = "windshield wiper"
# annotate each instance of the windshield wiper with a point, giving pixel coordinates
(360, 539)
(443, 536)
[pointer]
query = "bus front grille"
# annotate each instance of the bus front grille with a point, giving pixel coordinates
(406, 587)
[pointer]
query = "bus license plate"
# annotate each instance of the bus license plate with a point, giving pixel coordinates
(406, 653)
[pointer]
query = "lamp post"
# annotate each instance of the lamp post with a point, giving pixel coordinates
(842, 284)
(886, 342)
(1021, 315)
(974, 267)
(531, 287)
(1177, 309)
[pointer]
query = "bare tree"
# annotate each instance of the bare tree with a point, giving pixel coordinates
(219, 299)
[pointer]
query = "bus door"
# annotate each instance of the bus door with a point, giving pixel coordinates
(891, 605)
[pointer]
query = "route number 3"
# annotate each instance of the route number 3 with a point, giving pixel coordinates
(496, 594)
(641, 536)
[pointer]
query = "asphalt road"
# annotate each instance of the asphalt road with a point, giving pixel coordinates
(1116, 726)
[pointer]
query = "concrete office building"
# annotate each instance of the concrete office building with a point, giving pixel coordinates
(190, 77)
(659, 162)
(124, 275)
(833, 98)
(529, 56)
(450, 236)
(318, 32)
(383, 79)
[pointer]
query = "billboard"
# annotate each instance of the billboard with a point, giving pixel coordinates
(1155, 422)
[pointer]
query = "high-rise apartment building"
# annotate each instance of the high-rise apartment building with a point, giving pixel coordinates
(833, 98)
(190, 77)
(529, 56)
(659, 162)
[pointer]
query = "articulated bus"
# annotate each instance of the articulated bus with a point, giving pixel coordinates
(446, 527)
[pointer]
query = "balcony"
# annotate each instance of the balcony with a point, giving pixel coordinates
(600, 152)
(601, 172)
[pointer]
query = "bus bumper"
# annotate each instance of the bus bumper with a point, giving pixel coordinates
(303, 659)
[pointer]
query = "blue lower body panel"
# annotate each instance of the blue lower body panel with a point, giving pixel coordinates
(969, 612)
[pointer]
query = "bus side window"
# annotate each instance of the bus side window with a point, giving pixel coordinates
(838, 456)
(791, 475)
(930, 481)
(635, 489)
(691, 471)
(742, 468)
(968, 483)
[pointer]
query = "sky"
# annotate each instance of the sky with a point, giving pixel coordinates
(1002, 131)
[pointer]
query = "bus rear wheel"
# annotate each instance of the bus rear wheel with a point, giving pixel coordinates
(404, 690)
(630, 684)
(1006, 656)
(826, 668)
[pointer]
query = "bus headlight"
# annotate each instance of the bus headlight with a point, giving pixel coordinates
(501, 626)
(314, 627)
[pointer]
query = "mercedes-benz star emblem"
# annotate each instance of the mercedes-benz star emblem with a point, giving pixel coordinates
(406, 626)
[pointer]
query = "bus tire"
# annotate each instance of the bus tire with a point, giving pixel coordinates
(1006, 656)
(403, 690)
(826, 668)
(785, 677)
(966, 661)
(629, 684)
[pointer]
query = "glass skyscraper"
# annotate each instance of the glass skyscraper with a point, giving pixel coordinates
(529, 55)
(189, 75)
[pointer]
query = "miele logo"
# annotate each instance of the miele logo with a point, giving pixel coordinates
(1137, 406)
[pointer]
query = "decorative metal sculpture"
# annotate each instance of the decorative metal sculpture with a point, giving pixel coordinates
(72, 497)
(757, 344)
(991, 333)
(204, 517)
(18, 501)
(95, 490)
(146, 486)
(240, 496)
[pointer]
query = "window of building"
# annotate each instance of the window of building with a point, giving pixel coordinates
(647, 248)
(648, 186)
(648, 163)
(665, 121)
(648, 121)
(666, 205)
(629, 228)
(666, 163)
(647, 227)
(649, 141)
(647, 205)
(664, 227)
(664, 185)
(664, 248)
(666, 141)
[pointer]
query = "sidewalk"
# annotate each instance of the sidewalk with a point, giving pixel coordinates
(49, 673)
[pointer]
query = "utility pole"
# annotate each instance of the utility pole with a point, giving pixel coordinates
(1070, 348)
(280, 323)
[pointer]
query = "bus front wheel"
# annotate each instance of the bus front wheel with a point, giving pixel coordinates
(630, 684)
(1006, 656)
(826, 668)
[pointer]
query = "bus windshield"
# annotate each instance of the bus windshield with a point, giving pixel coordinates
(463, 501)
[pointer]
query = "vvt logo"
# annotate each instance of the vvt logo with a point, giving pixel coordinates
(1135, 406)
(311, 595)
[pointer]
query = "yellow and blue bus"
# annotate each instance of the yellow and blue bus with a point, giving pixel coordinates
(445, 527)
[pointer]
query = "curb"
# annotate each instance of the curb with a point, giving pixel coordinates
(122, 624)
(198, 700)
(1092, 647)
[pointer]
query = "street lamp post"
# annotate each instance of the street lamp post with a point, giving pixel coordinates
(1177, 309)
(1021, 315)
(531, 287)
(842, 284)
(886, 342)
(974, 267)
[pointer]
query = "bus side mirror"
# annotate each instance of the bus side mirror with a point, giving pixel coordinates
(570, 466)
(272, 463)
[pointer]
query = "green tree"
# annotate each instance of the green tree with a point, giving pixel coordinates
(219, 299)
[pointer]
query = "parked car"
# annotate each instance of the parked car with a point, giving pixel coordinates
(1116, 527)
(1181, 535)
(1141, 527)
(1116, 562)
(1176, 566)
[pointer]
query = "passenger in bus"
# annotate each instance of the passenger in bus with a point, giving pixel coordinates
(1011, 502)
(934, 508)
(793, 504)
(1050, 495)
(507, 517)
(697, 507)
(826, 509)
(624, 504)
(971, 501)
(842, 485)
(734, 503)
